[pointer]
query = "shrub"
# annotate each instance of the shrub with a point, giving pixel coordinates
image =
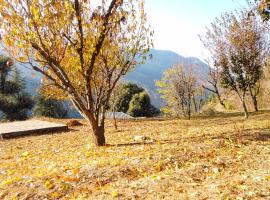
(140, 106)
(125, 95)
(48, 107)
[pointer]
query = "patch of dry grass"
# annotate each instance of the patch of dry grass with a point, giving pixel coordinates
(222, 157)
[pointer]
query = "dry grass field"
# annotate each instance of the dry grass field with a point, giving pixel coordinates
(222, 157)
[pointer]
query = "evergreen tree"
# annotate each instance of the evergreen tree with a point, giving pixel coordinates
(140, 106)
(126, 93)
(48, 107)
(132, 99)
(14, 101)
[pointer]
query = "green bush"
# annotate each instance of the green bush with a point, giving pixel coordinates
(48, 107)
(140, 106)
(126, 93)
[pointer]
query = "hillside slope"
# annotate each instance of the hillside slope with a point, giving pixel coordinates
(146, 75)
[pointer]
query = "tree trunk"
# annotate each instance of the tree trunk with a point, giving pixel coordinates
(183, 109)
(245, 108)
(98, 130)
(220, 100)
(2, 82)
(255, 103)
(195, 104)
(200, 105)
(99, 136)
(114, 121)
(189, 108)
(254, 100)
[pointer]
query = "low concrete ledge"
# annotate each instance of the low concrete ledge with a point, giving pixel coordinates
(23, 128)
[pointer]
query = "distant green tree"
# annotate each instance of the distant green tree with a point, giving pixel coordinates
(14, 101)
(126, 93)
(49, 107)
(140, 106)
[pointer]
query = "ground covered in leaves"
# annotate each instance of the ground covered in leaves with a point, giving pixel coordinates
(222, 157)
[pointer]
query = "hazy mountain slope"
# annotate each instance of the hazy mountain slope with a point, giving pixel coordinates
(146, 75)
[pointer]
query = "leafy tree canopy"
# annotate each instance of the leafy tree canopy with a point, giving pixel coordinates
(81, 48)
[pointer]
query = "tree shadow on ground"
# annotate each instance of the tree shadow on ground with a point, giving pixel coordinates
(257, 135)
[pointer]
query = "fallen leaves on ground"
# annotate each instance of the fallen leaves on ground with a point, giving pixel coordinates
(223, 157)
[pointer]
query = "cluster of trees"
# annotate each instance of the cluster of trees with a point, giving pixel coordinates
(16, 103)
(180, 88)
(133, 100)
(81, 49)
(239, 47)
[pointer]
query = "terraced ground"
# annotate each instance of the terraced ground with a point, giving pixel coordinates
(222, 157)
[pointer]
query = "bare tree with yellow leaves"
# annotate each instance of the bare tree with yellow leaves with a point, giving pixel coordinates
(81, 48)
(177, 87)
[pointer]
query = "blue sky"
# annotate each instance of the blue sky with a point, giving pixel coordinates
(177, 23)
